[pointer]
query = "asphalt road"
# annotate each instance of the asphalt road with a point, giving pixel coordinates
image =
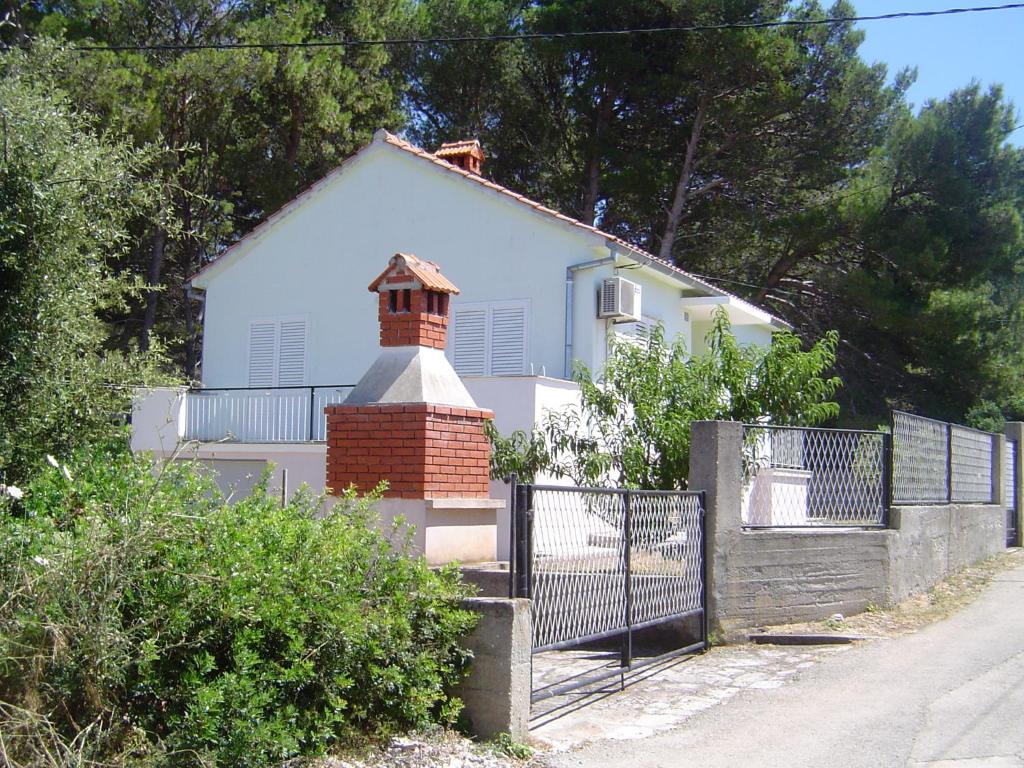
(951, 695)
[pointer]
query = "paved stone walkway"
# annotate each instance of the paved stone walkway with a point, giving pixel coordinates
(659, 697)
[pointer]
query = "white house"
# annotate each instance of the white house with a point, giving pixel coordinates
(289, 323)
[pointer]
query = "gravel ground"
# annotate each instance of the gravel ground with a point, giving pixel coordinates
(435, 750)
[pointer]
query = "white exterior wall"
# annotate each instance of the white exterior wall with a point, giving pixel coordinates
(316, 261)
(659, 301)
(755, 335)
(158, 419)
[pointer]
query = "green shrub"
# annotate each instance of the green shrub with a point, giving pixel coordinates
(147, 622)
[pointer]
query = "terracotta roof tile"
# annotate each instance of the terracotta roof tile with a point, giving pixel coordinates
(427, 273)
(458, 148)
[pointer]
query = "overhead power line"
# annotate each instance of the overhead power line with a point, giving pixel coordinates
(525, 36)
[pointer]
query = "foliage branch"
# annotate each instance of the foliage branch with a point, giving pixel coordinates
(632, 427)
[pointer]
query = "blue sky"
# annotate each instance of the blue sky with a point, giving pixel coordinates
(949, 51)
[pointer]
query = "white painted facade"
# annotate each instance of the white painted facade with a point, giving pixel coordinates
(315, 258)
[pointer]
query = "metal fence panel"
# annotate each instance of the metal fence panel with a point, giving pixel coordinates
(603, 561)
(275, 415)
(920, 468)
(1010, 475)
(799, 477)
(1010, 493)
(666, 555)
(322, 397)
(971, 462)
(578, 584)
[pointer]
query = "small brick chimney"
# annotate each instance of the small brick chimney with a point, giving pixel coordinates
(413, 303)
(467, 154)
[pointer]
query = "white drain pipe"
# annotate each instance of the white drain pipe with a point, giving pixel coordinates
(570, 291)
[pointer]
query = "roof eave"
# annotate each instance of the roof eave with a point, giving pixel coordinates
(691, 282)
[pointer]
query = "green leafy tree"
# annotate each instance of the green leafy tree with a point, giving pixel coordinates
(936, 302)
(633, 424)
(66, 200)
(248, 129)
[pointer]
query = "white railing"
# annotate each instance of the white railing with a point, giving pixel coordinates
(277, 415)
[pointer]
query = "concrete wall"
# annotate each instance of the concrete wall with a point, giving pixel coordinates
(775, 576)
(519, 402)
(158, 419)
(932, 542)
(496, 691)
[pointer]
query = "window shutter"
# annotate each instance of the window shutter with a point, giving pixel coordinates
(277, 353)
(291, 359)
(262, 353)
(508, 340)
(469, 341)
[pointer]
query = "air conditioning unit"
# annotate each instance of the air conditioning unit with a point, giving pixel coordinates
(619, 300)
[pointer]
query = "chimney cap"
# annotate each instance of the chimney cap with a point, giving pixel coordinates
(427, 273)
(456, 149)
(467, 155)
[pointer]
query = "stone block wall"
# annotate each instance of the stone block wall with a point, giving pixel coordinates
(423, 451)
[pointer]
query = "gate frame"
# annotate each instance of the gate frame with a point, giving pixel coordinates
(521, 583)
(1013, 503)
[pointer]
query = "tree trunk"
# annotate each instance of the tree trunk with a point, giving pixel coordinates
(191, 337)
(294, 135)
(681, 196)
(156, 261)
(591, 184)
(790, 256)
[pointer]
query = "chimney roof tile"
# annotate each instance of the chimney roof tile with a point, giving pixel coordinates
(425, 272)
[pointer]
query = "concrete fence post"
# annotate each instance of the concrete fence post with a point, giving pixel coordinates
(496, 692)
(716, 467)
(1015, 432)
(999, 470)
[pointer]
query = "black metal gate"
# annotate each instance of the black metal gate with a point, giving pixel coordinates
(602, 563)
(1012, 502)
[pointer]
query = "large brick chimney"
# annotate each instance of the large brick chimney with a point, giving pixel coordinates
(467, 154)
(410, 420)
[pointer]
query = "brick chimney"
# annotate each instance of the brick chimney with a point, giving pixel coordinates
(413, 304)
(467, 154)
(410, 420)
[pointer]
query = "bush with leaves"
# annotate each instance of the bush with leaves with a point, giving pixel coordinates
(147, 622)
(633, 425)
(67, 200)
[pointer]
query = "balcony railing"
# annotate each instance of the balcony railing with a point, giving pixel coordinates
(246, 415)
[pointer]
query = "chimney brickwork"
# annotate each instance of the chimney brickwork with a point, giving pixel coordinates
(423, 450)
(413, 317)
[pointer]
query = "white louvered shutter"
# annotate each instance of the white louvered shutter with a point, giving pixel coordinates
(508, 340)
(291, 356)
(469, 341)
(262, 353)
